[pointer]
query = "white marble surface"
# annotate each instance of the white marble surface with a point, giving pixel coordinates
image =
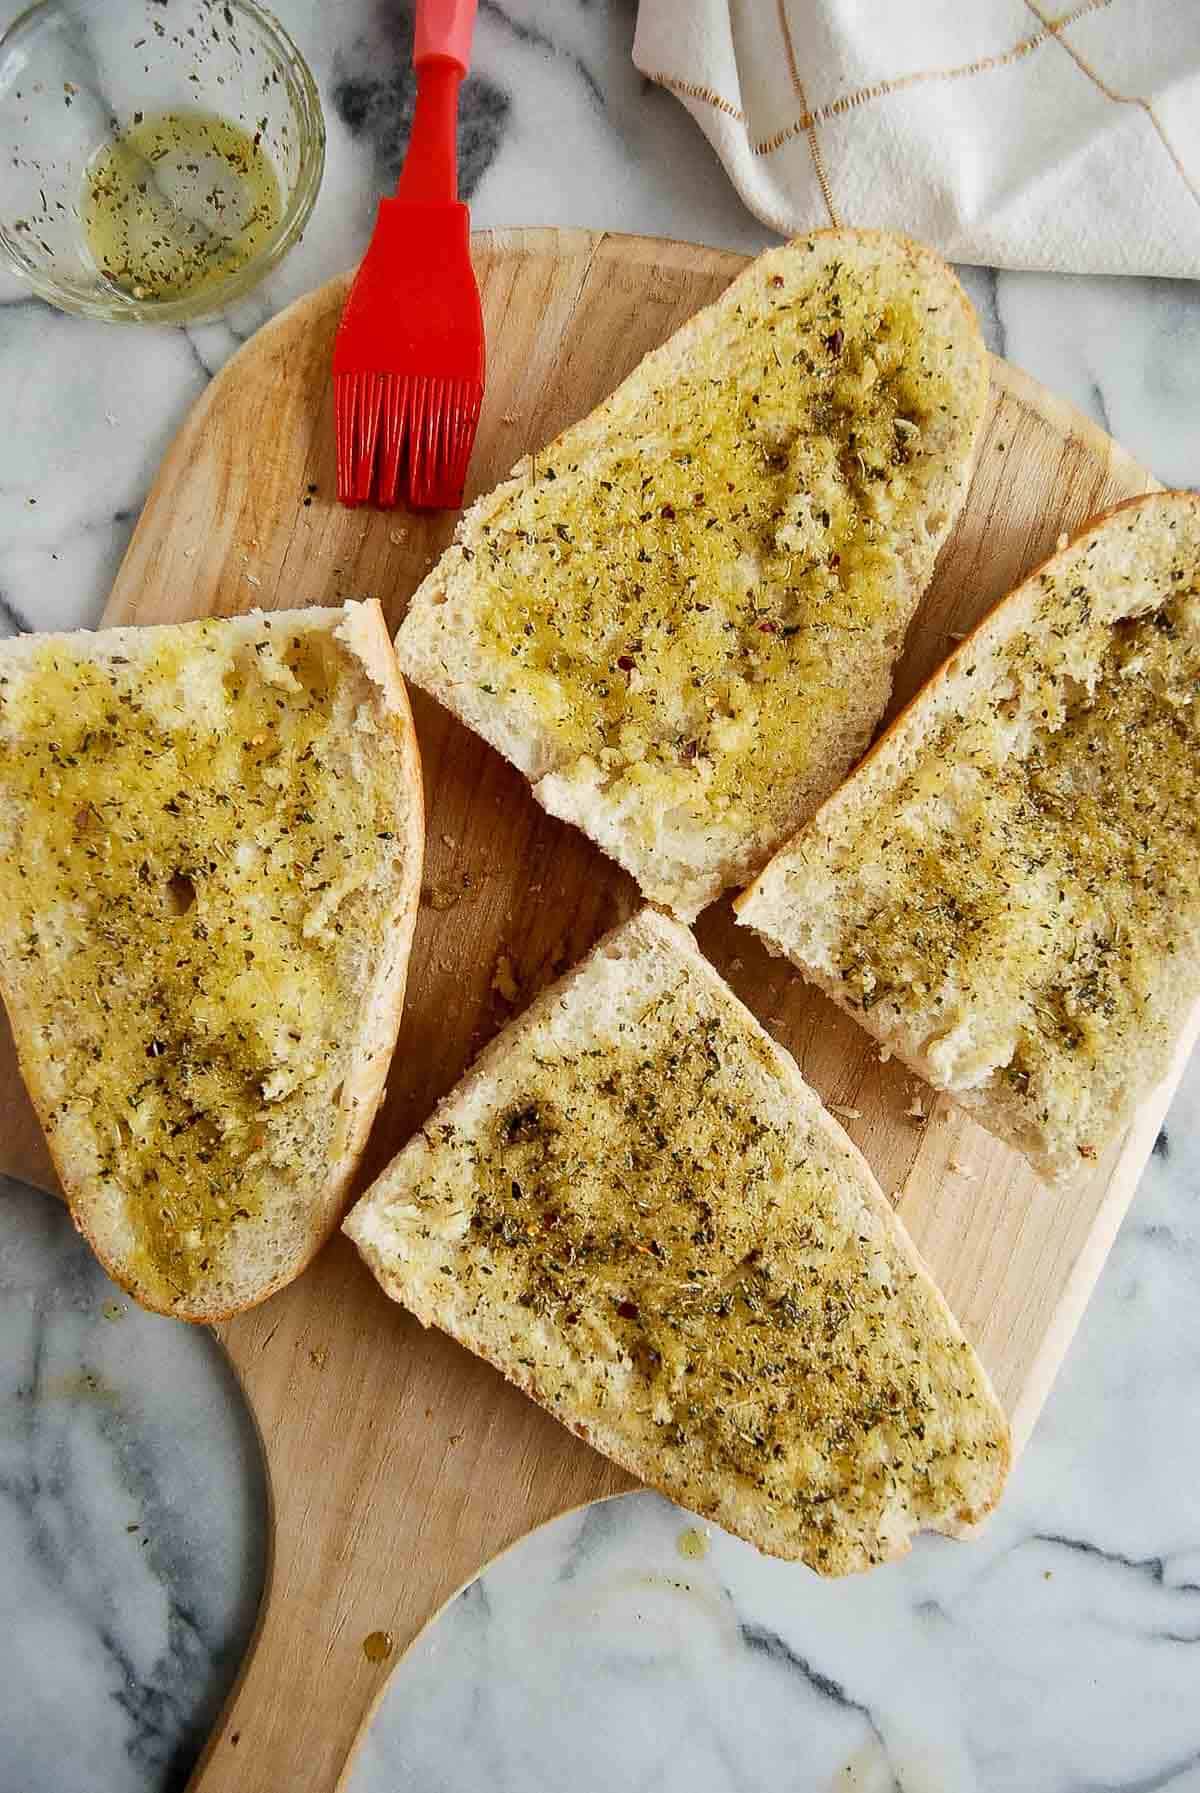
(1060, 1653)
(132, 1515)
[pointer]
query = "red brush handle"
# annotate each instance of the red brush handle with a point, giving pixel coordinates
(444, 28)
(441, 57)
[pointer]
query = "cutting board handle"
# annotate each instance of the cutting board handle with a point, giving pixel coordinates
(397, 1467)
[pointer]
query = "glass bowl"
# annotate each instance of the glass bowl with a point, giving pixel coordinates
(157, 157)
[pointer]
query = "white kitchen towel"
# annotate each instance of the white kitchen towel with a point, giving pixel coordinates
(1010, 132)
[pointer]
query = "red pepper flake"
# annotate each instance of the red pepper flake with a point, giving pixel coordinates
(1087, 1151)
(628, 1310)
(836, 342)
(767, 627)
(697, 497)
(626, 662)
(689, 750)
(777, 280)
(668, 511)
(835, 560)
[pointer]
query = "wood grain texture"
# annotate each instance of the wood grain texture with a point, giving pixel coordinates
(399, 1464)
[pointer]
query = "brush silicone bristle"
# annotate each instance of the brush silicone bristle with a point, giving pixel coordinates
(404, 438)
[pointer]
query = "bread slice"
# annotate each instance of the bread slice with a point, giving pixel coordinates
(210, 851)
(680, 619)
(637, 1210)
(1007, 891)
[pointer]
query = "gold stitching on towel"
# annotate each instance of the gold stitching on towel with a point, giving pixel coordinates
(689, 90)
(1056, 28)
(848, 102)
(798, 90)
(809, 118)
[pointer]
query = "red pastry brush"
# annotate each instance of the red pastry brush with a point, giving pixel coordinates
(408, 359)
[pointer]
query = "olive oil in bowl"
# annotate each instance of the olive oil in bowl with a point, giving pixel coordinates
(177, 202)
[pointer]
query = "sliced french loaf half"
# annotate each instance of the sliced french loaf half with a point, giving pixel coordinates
(637, 1210)
(210, 851)
(680, 619)
(1006, 893)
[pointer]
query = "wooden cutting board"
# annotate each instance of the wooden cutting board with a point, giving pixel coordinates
(399, 1464)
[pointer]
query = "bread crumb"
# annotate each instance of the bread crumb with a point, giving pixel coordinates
(1062, 541)
(510, 417)
(735, 964)
(396, 536)
(916, 1112)
(377, 1646)
(504, 980)
(961, 1170)
(448, 840)
(956, 635)
(318, 1358)
(847, 1114)
(444, 896)
(885, 1055)
(252, 579)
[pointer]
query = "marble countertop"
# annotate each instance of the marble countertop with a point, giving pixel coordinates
(621, 1647)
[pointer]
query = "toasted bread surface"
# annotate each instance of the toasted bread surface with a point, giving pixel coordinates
(635, 1207)
(680, 619)
(1006, 893)
(210, 847)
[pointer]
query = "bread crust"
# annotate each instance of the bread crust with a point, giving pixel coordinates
(362, 630)
(756, 906)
